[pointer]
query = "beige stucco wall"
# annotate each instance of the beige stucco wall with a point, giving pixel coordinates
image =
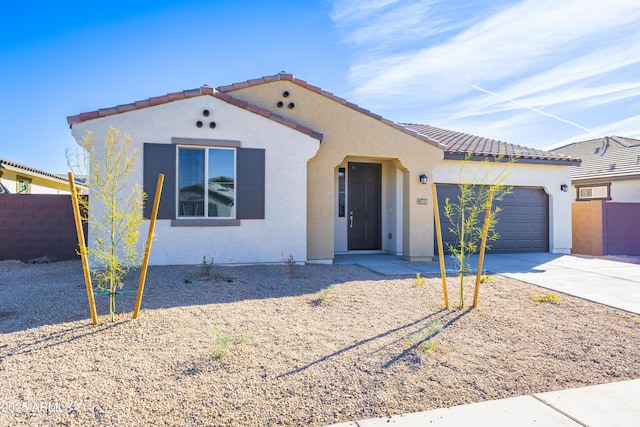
(350, 135)
(279, 235)
(547, 177)
(39, 184)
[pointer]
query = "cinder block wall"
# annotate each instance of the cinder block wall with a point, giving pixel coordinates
(621, 225)
(37, 225)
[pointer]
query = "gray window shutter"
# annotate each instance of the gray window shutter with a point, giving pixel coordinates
(160, 158)
(250, 186)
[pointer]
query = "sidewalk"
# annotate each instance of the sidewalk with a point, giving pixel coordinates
(606, 405)
(612, 283)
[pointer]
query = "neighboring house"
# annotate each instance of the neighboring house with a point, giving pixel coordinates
(606, 193)
(16, 178)
(610, 169)
(291, 170)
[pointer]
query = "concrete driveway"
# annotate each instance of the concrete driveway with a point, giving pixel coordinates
(613, 283)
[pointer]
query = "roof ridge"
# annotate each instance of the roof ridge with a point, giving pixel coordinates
(190, 93)
(461, 142)
(30, 169)
(303, 83)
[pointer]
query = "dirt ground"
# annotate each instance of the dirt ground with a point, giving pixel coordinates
(260, 345)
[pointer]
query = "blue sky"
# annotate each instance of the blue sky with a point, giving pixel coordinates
(535, 73)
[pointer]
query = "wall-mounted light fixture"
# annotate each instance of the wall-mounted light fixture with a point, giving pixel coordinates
(564, 187)
(423, 179)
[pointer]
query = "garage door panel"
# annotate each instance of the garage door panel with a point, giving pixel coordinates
(523, 223)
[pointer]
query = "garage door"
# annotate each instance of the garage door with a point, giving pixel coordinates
(523, 223)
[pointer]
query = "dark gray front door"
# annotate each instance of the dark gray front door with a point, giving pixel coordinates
(364, 206)
(523, 224)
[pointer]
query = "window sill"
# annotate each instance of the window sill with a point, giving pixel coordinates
(205, 222)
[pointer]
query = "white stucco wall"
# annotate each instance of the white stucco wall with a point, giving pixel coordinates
(283, 231)
(548, 177)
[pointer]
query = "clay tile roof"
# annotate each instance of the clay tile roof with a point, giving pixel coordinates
(290, 77)
(15, 165)
(606, 157)
(458, 144)
(202, 91)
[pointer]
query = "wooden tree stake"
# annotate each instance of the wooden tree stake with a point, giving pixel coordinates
(443, 272)
(83, 249)
(147, 251)
(483, 245)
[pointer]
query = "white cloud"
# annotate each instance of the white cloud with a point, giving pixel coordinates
(551, 57)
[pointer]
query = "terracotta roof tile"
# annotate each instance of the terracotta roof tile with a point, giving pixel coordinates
(303, 83)
(459, 143)
(125, 107)
(174, 96)
(142, 104)
(202, 91)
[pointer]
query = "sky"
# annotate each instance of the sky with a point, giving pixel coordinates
(535, 73)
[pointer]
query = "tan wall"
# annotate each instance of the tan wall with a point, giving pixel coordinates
(351, 134)
(39, 184)
(586, 220)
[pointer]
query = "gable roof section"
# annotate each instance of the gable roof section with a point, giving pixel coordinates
(606, 157)
(176, 96)
(24, 169)
(290, 77)
(460, 144)
(455, 144)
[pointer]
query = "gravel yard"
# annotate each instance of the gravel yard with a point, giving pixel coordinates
(254, 346)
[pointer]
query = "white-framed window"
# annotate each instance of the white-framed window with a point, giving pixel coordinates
(23, 185)
(206, 182)
(594, 192)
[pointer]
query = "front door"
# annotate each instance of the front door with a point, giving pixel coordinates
(364, 206)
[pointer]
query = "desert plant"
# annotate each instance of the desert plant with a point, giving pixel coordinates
(422, 339)
(473, 216)
(115, 232)
(291, 265)
(486, 279)
(420, 281)
(550, 297)
(324, 294)
(207, 266)
(223, 341)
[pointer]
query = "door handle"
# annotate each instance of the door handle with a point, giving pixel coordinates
(351, 219)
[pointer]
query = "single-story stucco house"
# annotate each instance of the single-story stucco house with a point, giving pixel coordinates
(606, 194)
(609, 169)
(18, 178)
(295, 171)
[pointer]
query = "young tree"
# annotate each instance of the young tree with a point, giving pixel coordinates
(474, 210)
(115, 211)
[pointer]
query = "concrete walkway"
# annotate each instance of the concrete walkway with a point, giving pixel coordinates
(606, 405)
(613, 283)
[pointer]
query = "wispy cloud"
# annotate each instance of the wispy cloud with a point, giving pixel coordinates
(561, 61)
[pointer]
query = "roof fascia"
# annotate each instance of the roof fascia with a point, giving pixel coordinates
(521, 160)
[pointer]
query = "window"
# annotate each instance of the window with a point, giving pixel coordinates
(206, 182)
(594, 192)
(341, 190)
(23, 185)
(247, 189)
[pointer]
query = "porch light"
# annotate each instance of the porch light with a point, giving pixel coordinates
(564, 187)
(423, 179)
